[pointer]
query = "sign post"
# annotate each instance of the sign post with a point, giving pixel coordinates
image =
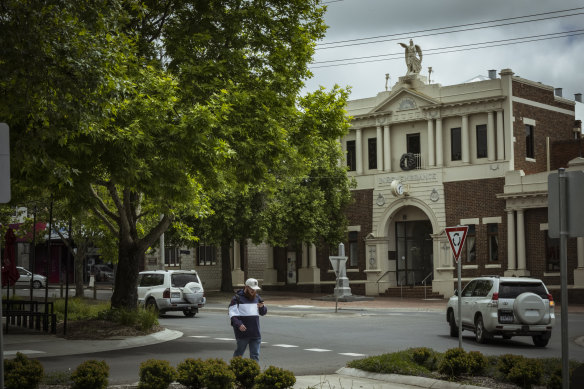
(456, 236)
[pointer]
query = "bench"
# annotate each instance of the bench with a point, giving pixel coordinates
(36, 315)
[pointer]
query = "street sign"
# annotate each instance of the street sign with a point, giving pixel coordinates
(456, 236)
(4, 163)
(573, 200)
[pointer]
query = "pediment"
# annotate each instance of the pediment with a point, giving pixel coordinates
(404, 100)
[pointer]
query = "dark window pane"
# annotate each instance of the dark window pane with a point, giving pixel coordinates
(372, 149)
(493, 238)
(351, 156)
(552, 253)
(455, 144)
(529, 142)
(413, 143)
(510, 290)
(482, 141)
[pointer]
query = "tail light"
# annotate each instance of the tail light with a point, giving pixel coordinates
(551, 299)
(494, 300)
(495, 296)
(166, 293)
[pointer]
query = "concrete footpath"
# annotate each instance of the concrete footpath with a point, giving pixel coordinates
(36, 344)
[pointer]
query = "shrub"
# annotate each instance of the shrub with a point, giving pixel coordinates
(22, 373)
(191, 372)
(507, 361)
(477, 362)
(421, 354)
(454, 362)
(90, 374)
(245, 370)
(554, 381)
(141, 319)
(156, 374)
(275, 378)
(526, 373)
(62, 378)
(218, 375)
(79, 309)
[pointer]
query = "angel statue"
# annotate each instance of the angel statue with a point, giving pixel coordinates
(413, 57)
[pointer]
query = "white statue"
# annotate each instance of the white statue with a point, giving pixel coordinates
(413, 57)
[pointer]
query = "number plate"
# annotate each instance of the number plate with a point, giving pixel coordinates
(506, 318)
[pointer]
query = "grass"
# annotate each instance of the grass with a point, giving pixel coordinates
(426, 362)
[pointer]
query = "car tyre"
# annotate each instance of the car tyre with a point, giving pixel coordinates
(37, 284)
(452, 324)
(481, 334)
(190, 312)
(151, 304)
(541, 340)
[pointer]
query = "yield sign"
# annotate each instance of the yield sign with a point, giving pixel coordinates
(456, 237)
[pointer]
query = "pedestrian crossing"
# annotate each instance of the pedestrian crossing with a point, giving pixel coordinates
(282, 345)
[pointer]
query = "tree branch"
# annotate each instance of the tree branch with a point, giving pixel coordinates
(102, 205)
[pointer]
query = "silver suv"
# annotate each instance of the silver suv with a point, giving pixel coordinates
(171, 290)
(504, 306)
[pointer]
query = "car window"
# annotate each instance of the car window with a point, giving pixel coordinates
(152, 280)
(511, 290)
(482, 289)
(467, 291)
(181, 279)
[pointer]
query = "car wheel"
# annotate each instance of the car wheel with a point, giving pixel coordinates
(452, 324)
(151, 304)
(541, 340)
(481, 335)
(190, 312)
(37, 284)
(507, 337)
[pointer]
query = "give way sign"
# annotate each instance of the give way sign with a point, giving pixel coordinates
(456, 236)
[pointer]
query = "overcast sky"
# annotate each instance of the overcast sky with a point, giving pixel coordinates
(557, 62)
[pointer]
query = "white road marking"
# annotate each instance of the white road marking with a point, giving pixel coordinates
(225, 338)
(24, 352)
(284, 345)
(301, 306)
(198, 336)
(353, 354)
(318, 350)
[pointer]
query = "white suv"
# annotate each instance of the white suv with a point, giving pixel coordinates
(171, 290)
(504, 306)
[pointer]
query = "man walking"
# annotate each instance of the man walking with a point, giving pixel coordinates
(245, 310)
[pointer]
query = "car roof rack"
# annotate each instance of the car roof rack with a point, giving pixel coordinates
(491, 275)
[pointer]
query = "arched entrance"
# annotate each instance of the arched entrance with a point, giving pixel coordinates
(413, 252)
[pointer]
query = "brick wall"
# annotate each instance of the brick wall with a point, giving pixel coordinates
(477, 199)
(564, 151)
(555, 125)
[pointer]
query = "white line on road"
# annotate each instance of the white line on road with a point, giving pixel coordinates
(224, 338)
(23, 352)
(353, 354)
(318, 350)
(284, 345)
(198, 336)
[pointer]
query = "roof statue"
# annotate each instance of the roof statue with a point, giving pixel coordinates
(413, 57)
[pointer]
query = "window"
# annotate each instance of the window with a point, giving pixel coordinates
(470, 244)
(493, 238)
(151, 280)
(206, 255)
(529, 141)
(482, 141)
(469, 288)
(171, 257)
(413, 143)
(552, 253)
(455, 144)
(372, 148)
(353, 248)
(351, 155)
(483, 288)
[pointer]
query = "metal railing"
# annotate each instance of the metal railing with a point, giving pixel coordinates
(383, 275)
(424, 283)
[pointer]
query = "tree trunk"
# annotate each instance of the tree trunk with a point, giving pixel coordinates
(226, 281)
(78, 268)
(125, 294)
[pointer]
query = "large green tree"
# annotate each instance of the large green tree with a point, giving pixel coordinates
(138, 109)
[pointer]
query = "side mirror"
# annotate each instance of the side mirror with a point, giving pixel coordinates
(456, 292)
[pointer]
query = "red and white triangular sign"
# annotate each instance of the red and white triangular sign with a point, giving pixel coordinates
(456, 237)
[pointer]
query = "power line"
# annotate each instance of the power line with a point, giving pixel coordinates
(456, 50)
(437, 31)
(451, 47)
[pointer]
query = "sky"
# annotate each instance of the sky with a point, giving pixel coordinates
(368, 33)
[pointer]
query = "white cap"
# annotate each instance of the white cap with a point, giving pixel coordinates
(252, 283)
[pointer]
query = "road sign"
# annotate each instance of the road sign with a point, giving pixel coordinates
(456, 236)
(4, 163)
(572, 196)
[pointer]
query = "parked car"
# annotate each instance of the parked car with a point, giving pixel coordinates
(102, 272)
(504, 306)
(38, 281)
(171, 290)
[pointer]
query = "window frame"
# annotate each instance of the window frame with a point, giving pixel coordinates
(172, 260)
(470, 251)
(482, 142)
(529, 141)
(351, 155)
(372, 153)
(353, 241)
(552, 254)
(493, 234)
(456, 140)
(202, 260)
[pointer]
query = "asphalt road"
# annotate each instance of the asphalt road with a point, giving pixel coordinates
(311, 341)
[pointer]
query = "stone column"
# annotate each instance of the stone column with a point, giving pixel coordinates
(439, 146)
(304, 254)
(521, 258)
(358, 151)
(579, 272)
(386, 149)
(431, 159)
(465, 139)
(237, 275)
(309, 275)
(511, 264)
(379, 145)
(490, 136)
(312, 256)
(500, 137)
(270, 274)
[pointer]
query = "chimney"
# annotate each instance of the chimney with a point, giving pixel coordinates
(558, 92)
(492, 74)
(578, 97)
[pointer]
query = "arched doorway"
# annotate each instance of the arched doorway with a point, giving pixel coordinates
(413, 252)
